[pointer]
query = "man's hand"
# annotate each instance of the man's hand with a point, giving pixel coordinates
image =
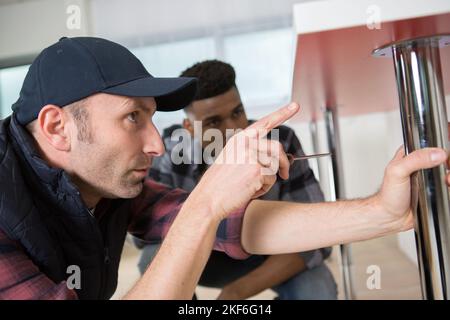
(395, 193)
(247, 166)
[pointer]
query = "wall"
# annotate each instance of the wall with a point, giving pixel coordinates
(28, 27)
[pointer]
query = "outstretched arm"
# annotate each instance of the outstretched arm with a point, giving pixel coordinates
(272, 227)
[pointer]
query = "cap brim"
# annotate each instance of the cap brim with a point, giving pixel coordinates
(170, 93)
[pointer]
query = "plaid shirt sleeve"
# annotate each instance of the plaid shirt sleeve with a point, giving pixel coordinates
(302, 186)
(155, 209)
(20, 278)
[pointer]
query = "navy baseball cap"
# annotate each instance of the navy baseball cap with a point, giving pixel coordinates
(75, 68)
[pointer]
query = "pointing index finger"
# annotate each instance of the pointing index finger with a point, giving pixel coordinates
(275, 119)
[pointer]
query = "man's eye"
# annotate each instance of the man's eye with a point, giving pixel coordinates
(213, 123)
(237, 112)
(133, 117)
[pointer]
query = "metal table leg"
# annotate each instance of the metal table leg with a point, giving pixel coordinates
(424, 120)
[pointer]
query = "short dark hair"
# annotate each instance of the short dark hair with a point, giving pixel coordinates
(80, 116)
(214, 78)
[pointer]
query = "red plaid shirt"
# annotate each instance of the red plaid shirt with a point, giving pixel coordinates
(153, 212)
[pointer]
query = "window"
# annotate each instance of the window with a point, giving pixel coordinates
(11, 80)
(169, 60)
(263, 62)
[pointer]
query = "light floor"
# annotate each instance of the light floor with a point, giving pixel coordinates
(399, 275)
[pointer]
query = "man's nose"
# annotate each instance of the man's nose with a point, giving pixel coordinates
(153, 144)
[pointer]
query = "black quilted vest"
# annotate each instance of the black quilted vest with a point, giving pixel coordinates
(42, 210)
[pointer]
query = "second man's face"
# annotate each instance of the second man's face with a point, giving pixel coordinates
(221, 112)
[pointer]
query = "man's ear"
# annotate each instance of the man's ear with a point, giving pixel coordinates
(187, 124)
(52, 123)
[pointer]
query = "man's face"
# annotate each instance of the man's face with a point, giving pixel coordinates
(116, 158)
(221, 112)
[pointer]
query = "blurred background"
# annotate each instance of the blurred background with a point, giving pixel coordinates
(258, 39)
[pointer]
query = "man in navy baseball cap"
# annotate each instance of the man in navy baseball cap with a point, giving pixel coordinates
(74, 157)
